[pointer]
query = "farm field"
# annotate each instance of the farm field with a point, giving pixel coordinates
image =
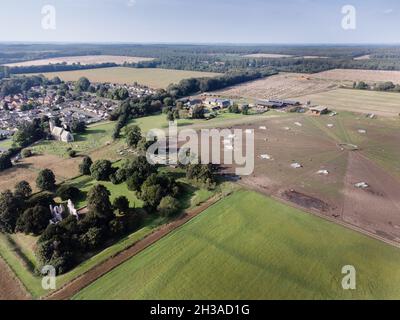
(359, 75)
(267, 55)
(10, 288)
(16, 259)
(316, 144)
(380, 103)
(28, 169)
(18, 249)
(96, 143)
(83, 60)
(275, 251)
(153, 78)
(281, 86)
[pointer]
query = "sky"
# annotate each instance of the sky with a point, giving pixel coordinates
(199, 21)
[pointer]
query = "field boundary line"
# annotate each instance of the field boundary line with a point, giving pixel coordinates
(85, 279)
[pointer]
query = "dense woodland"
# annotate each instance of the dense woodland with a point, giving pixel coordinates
(214, 58)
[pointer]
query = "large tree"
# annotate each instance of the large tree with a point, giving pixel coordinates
(82, 84)
(10, 210)
(84, 167)
(5, 162)
(46, 180)
(133, 136)
(23, 190)
(34, 220)
(101, 170)
(99, 202)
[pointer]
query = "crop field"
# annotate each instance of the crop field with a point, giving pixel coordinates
(359, 75)
(380, 103)
(249, 246)
(153, 78)
(315, 143)
(281, 86)
(83, 60)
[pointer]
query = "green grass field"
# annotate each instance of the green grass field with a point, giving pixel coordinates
(18, 249)
(251, 247)
(98, 137)
(380, 103)
(153, 78)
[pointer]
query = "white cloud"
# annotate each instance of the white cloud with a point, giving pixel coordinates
(131, 3)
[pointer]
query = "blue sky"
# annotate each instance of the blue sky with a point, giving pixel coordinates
(201, 21)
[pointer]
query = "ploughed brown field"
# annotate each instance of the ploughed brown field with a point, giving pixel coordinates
(317, 145)
(281, 86)
(359, 75)
(10, 288)
(28, 169)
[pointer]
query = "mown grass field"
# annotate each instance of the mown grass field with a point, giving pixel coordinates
(362, 101)
(97, 140)
(153, 78)
(251, 247)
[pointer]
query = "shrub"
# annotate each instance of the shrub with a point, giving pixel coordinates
(121, 204)
(84, 167)
(168, 206)
(26, 153)
(72, 153)
(68, 193)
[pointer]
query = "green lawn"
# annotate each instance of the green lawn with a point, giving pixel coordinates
(99, 136)
(153, 78)
(248, 246)
(85, 183)
(96, 136)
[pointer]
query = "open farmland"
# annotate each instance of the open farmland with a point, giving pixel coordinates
(380, 103)
(28, 169)
(316, 144)
(276, 251)
(267, 55)
(153, 78)
(359, 75)
(83, 60)
(282, 86)
(11, 289)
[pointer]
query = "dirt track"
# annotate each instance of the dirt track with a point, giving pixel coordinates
(96, 272)
(10, 288)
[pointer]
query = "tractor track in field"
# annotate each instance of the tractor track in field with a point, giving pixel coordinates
(73, 287)
(10, 286)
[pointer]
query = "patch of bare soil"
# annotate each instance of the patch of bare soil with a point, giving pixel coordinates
(10, 288)
(305, 201)
(376, 208)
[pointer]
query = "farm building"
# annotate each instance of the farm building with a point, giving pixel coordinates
(222, 103)
(277, 104)
(319, 110)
